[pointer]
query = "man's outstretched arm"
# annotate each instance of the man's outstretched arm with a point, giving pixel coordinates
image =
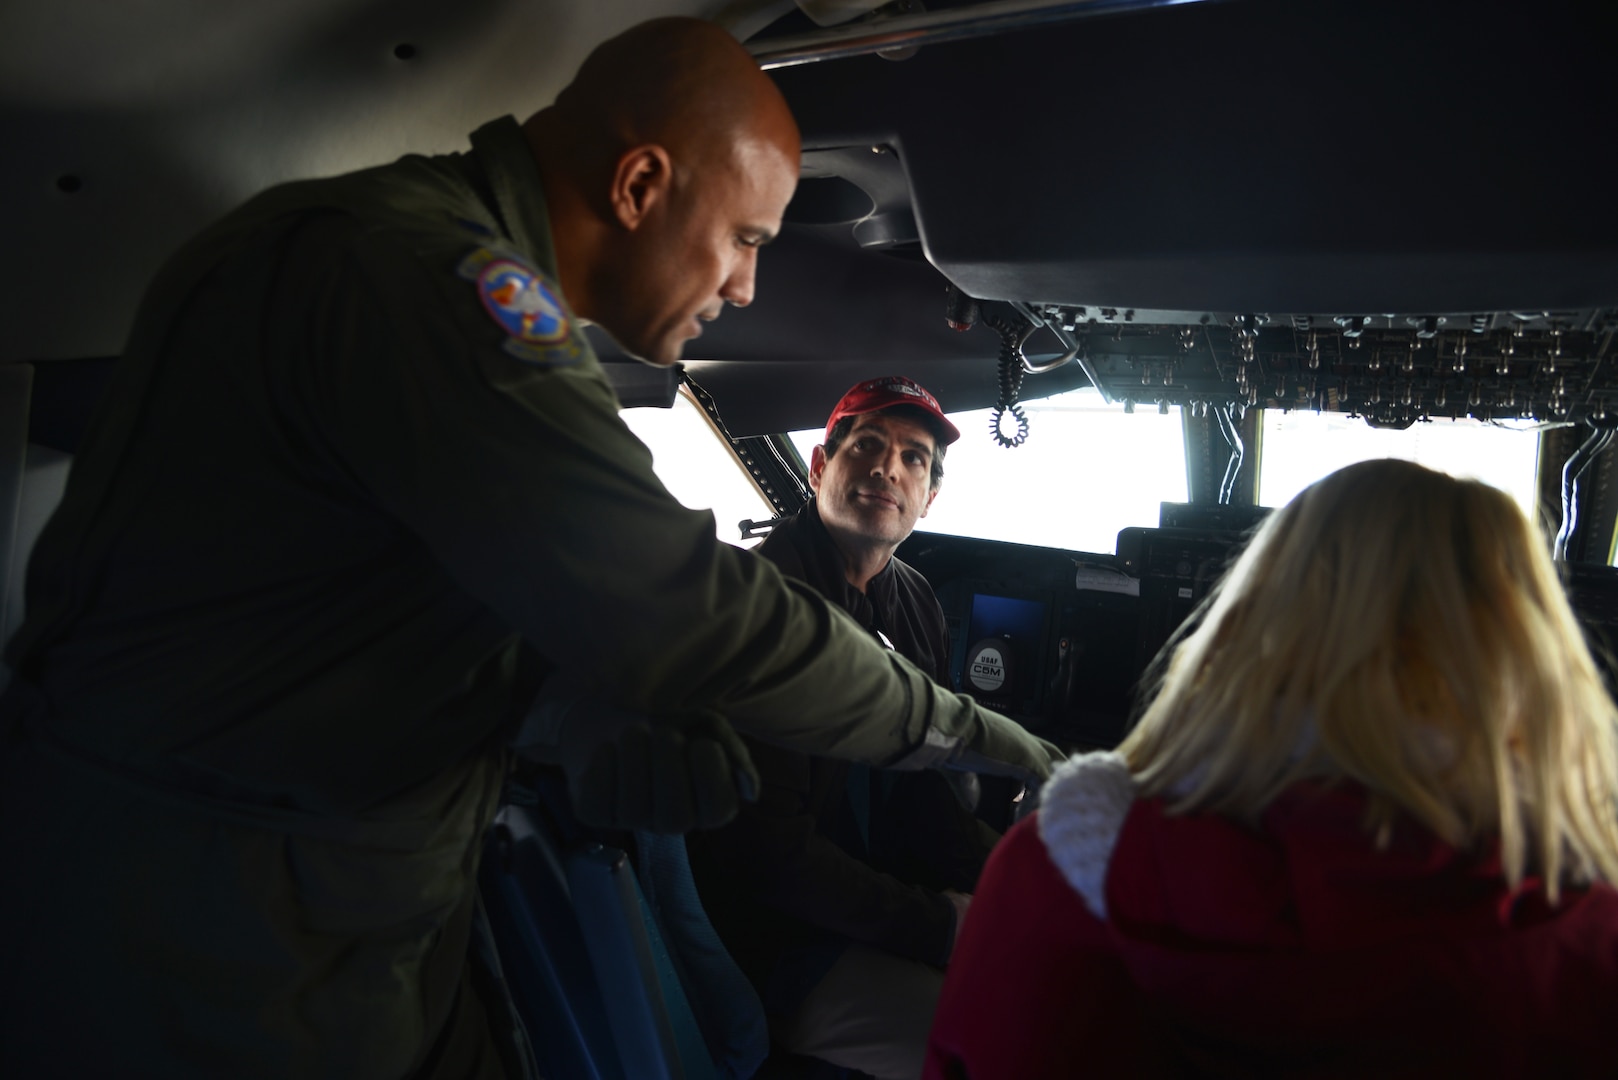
(527, 486)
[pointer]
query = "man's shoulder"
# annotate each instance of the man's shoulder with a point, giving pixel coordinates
(786, 544)
(422, 216)
(429, 195)
(905, 572)
(912, 583)
(412, 240)
(427, 202)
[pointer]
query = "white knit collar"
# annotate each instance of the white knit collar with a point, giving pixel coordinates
(1082, 810)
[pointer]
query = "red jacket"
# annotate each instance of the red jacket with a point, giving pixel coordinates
(1295, 949)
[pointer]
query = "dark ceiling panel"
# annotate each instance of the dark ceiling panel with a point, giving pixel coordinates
(820, 297)
(1267, 155)
(828, 314)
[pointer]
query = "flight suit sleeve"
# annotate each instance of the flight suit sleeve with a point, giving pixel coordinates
(522, 481)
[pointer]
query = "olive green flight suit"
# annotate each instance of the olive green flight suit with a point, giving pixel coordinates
(331, 527)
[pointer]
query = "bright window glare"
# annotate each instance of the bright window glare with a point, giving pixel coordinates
(1301, 447)
(1086, 471)
(697, 467)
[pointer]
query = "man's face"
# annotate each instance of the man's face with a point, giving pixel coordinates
(700, 251)
(876, 485)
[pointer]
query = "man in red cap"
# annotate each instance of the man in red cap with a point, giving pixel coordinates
(841, 891)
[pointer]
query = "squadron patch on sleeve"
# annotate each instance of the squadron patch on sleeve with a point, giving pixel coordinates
(526, 306)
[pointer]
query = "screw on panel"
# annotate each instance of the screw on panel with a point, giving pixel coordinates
(69, 184)
(404, 51)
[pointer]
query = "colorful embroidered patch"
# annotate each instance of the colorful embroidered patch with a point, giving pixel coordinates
(521, 302)
(525, 305)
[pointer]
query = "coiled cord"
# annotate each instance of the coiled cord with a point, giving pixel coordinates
(1012, 337)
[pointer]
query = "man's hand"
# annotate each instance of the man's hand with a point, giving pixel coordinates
(987, 743)
(627, 770)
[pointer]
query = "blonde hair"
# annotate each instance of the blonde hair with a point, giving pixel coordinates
(1404, 630)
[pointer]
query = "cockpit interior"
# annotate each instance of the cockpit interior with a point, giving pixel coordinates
(1212, 213)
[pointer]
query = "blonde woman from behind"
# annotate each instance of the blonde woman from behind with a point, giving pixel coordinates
(1367, 825)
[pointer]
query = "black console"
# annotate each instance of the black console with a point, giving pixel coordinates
(1060, 639)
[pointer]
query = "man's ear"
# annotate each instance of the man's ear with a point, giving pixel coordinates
(640, 183)
(932, 493)
(817, 466)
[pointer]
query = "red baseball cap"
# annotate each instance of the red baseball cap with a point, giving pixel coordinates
(886, 392)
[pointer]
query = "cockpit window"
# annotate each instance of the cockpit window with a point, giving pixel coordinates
(1086, 471)
(1301, 446)
(697, 466)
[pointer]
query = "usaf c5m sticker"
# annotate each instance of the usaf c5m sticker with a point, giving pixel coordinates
(525, 305)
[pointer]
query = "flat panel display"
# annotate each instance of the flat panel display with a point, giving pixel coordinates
(1004, 656)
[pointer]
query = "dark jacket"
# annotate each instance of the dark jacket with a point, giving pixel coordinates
(831, 853)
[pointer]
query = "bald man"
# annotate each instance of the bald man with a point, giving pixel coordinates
(360, 486)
